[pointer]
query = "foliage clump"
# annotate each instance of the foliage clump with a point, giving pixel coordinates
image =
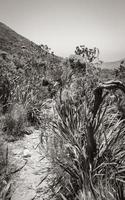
(88, 54)
(89, 152)
(120, 72)
(14, 121)
(87, 139)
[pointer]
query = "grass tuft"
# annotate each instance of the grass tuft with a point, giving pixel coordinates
(88, 151)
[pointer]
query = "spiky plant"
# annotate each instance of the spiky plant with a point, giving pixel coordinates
(89, 149)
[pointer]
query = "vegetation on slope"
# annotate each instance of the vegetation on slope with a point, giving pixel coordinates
(86, 140)
(24, 66)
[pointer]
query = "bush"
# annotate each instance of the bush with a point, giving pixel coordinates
(89, 54)
(120, 72)
(33, 116)
(15, 120)
(87, 152)
(4, 92)
(4, 176)
(77, 63)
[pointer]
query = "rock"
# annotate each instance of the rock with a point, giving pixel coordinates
(26, 153)
(17, 152)
(28, 130)
(23, 194)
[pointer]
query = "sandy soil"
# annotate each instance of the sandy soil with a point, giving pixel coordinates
(26, 183)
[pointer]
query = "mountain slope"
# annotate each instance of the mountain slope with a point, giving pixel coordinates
(12, 42)
(26, 53)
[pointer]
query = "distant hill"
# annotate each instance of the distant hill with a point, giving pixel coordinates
(111, 65)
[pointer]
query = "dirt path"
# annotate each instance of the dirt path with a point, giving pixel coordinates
(25, 184)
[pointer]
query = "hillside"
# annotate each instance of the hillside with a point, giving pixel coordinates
(12, 42)
(25, 65)
(111, 65)
(16, 45)
(80, 126)
(23, 52)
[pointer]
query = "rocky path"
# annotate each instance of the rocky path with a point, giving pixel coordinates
(28, 183)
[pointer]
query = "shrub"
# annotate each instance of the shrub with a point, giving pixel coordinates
(77, 63)
(89, 54)
(87, 151)
(33, 116)
(14, 120)
(120, 72)
(4, 92)
(4, 175)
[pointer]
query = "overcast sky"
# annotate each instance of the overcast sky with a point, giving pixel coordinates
(64, 24)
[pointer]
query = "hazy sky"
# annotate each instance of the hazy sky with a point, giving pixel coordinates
(64, 24)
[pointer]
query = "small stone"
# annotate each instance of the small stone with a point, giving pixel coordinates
(17, 152)
(26, 153)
